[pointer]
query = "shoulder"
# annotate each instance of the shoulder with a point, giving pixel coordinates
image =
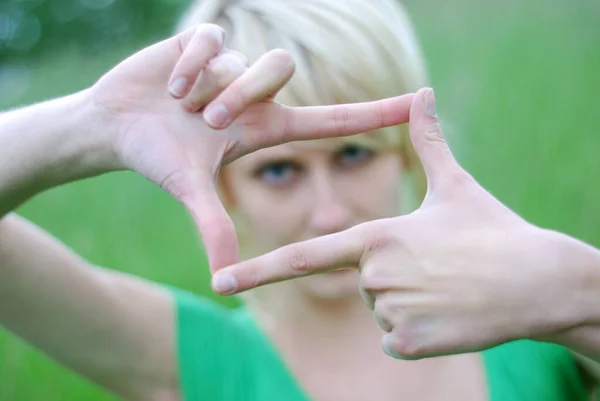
(200, 319)
(214, 349)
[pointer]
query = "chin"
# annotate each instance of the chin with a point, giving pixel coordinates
(333, 286)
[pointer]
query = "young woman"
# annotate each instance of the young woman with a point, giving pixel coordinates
(312, 337)
(115, 329)
(305, 339)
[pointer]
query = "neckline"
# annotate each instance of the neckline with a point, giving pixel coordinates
(244, 314)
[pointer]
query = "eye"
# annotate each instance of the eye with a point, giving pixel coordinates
(278, 173)
(354, 156)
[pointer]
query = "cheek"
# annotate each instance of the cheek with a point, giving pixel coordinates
(272, 218)
(374, 190)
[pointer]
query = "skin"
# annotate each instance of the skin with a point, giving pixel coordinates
(131, 120)
(297, 191)
(145, 129)
(461, 274)
(294, 192)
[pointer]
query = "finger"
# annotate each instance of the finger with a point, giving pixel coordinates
(428, 140)
(262, 80)
(368, 297)
(198, 45)
(301, 259)
(383, 310)
(389, 346)
(220, 72)
(214, 224)
(282, 124)
(240, 56)
(383, 323)
(401, 345)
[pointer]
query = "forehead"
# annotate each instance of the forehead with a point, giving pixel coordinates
(306, 149)
(294, 150)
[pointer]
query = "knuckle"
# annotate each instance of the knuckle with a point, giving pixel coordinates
(198, 98)
(405, 345)
(192, 105)
(341, 118)
(434, 133)
(225, 69)
(241, 57)
(384, 323)
(369, 278)
(298, 260)
(287, 122)
(374, 235)
(379, 115)
(382, 308)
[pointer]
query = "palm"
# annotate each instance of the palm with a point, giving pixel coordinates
(162, 140)
(176, 149)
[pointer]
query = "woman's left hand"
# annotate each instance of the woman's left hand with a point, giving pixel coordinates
(462, 273)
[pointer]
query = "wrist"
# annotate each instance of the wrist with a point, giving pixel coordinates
(578, 302)
(51, 143)
(85, 146)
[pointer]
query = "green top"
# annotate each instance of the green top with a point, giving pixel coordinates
(223, 356)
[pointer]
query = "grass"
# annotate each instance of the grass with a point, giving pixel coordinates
(517, 86)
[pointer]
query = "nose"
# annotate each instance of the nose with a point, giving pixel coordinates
(330, 213)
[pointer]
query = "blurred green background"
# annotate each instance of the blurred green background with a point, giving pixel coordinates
(517, 85)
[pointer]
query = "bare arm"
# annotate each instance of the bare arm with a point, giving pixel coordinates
(115, 329)
(50, 143)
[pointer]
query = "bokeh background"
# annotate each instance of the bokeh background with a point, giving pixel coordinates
(517, 84)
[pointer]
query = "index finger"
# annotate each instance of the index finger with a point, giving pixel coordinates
(296, 260)
(342, 120)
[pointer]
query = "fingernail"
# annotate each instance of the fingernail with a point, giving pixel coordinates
(218, 32)
(430, 108)
(216, 115)
(224, 283)
(178, 86)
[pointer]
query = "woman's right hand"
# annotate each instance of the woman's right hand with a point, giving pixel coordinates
(159, 134)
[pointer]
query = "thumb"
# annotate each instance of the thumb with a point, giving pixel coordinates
(214, 224)
(428, 140)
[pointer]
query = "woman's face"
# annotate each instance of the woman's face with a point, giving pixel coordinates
(297, 191)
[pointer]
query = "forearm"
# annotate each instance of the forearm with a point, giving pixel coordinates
(113, 328)
(48, 144)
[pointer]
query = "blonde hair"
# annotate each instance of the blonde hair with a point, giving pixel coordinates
(346, 51)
